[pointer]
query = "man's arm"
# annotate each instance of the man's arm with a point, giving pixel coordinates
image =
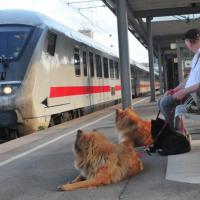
(181, 85)
(177, 88)
(183, 92)
(192, 88)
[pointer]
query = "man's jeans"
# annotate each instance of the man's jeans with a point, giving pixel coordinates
(170, 108)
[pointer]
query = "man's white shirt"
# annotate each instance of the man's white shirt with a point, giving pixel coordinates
(194, 76)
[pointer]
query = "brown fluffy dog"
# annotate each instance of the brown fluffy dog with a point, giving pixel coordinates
(132, 128)
(101, 162)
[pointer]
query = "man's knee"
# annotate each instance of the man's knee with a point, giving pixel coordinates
(166, 101)
(180, 109)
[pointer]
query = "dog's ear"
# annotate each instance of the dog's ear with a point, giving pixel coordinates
(130, 108)
(118, 111)
(79, 133)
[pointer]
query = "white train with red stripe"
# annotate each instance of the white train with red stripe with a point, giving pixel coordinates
(50, 73)
(140, 79)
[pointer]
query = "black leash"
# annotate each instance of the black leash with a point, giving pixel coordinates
(161, 130)
(147, 149)
(158, 114)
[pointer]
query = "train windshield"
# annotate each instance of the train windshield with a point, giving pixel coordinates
(12, 41)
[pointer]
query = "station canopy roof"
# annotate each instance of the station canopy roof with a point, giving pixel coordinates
(165, 28)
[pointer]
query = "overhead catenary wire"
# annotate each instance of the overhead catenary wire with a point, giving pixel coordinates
(95, 26)
(78, 2)
(92, 7)
(188, 18)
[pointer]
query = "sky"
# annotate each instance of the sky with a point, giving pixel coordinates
(78, 16)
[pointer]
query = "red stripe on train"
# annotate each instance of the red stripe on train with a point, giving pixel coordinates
(78, 90)
(146, 85)
(118, 87)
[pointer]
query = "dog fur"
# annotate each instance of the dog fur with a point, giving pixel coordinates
(101, 162)
(131, 128)
(134, 129)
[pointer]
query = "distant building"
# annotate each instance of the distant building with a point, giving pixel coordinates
(155, 66)
(145, 64)
(87, 32)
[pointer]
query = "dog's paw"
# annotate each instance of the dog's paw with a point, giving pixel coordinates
(65, 187)
(60, 188)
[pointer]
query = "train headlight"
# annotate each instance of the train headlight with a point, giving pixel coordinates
(9, 87)
(7, 90)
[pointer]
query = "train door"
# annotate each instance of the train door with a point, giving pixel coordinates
(86, 77)
(106, 77)
(91, 77)
(112, 76)
(50, 62)
(133, 80)
(136, 82)
(116, 79)
(99, 79)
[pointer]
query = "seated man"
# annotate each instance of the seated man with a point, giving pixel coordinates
(175, 101)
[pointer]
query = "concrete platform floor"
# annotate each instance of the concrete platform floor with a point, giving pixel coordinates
(32, 167)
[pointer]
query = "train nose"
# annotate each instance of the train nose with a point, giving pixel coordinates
(8, 91)
(8, 118)
(7, 102)
(8, 115)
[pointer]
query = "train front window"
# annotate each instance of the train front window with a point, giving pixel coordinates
(12, 41)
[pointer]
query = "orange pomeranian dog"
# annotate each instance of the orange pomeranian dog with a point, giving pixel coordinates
(101, 162)
(132, 128)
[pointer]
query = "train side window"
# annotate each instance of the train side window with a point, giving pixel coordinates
(84, 63)
(51, 43)
(116, 70)
(77, 62)
(98, 66)
(105, 67)
(111, 69)
(91, 58)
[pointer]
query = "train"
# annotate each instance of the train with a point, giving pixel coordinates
(50, 73)
(140, 79)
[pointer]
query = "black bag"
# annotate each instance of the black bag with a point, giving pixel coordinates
(167, 141)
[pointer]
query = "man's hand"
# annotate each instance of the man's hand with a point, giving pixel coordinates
(169, 92)
(180, 94)
(172, 91)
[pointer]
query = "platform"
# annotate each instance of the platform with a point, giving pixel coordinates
(32, 167)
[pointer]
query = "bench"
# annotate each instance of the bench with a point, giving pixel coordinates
(193, 116)
(194, 111)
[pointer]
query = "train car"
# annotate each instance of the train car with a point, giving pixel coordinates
(50, 73)
(48, 69)
(140, 79)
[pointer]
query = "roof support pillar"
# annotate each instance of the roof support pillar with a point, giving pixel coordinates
(122, 24)
(160, 70)
(151, 63)
(180, 64)
(165, 71)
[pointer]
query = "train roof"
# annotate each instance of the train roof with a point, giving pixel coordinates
(34, 18)
(142, 67)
